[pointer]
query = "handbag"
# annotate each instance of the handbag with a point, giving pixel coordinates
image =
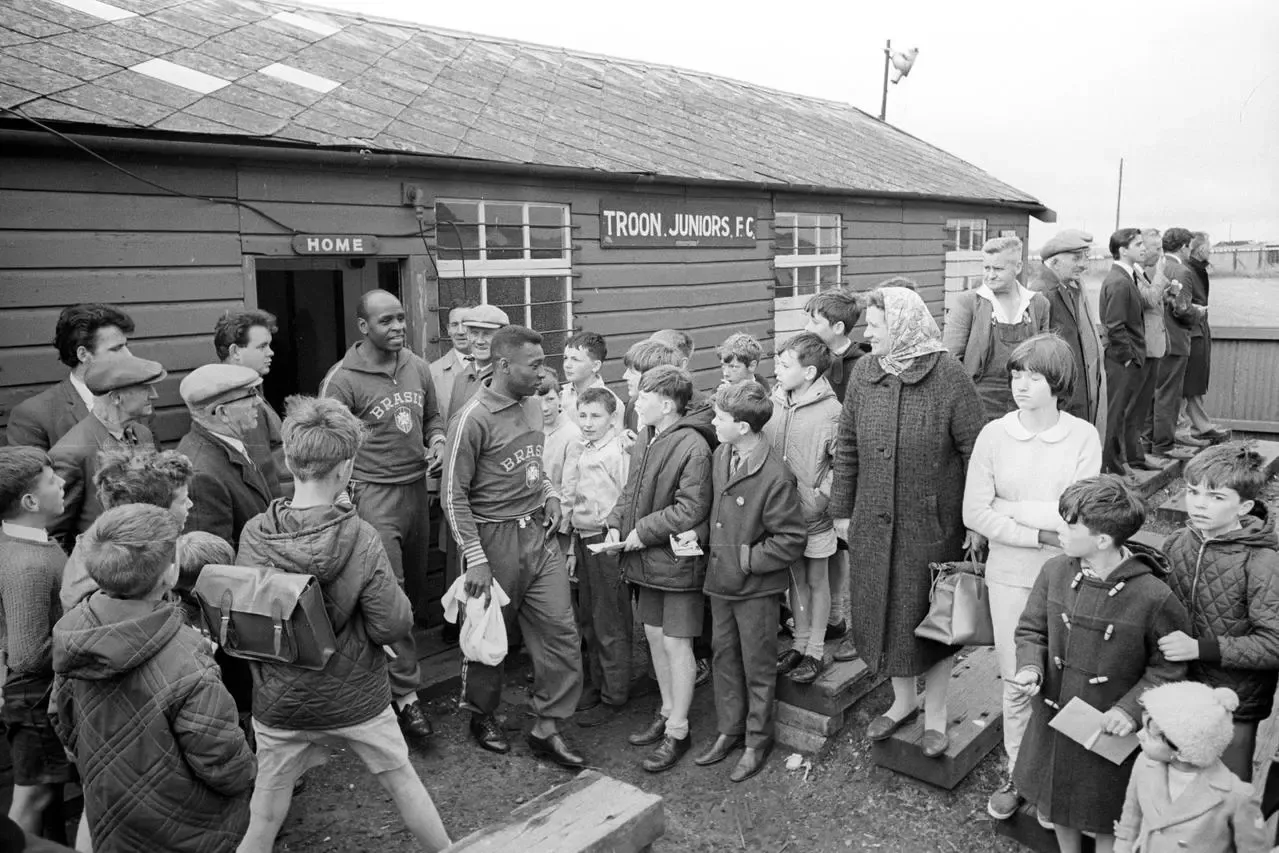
(958, 605)
(266, 615)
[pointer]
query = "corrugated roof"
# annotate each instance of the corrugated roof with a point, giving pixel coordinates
(404, 87)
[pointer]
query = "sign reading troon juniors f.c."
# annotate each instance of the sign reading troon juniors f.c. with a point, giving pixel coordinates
(664, 221)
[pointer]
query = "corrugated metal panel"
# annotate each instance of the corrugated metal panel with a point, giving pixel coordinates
(1243, 392)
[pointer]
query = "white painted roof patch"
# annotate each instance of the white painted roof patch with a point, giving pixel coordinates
(180, 75)
(298, 77)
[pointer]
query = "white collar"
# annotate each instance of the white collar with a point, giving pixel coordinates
(22, 531)
(233, 443)
(1023, 303)
(1126, 267)
(1055, 433)
(603, 442)
(82, 390)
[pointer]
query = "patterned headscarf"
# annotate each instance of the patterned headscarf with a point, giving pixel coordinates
(912, 331)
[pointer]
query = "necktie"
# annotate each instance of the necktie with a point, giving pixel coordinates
(734, 462)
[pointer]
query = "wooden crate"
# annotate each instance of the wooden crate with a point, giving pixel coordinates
(593, 813)
(975, 703)
(1024, 828)
(837, 689)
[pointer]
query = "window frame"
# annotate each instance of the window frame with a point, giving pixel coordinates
(793, 261)
(953, 227)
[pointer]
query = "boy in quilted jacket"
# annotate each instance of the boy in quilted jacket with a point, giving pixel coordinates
(139, 702)
(298, 713)
(1225, 570)
(802, 433)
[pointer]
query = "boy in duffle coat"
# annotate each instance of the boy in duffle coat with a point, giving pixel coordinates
(757, 531)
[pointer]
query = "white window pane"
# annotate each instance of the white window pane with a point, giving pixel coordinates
(785, 283)
(827, 277)
(450, 235)
(548, 236)
(508, 294)
(806, 281)
(503, 231)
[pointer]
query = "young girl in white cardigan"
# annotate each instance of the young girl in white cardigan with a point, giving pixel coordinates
(1020, 465)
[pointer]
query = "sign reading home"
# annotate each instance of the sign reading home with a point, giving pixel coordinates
(335, 244)
(664, 221)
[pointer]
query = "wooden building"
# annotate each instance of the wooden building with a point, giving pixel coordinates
(185, 157)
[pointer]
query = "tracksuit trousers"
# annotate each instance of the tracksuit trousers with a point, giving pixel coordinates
(398, 512)
(605, 603)
(744, 668)
(529, 567)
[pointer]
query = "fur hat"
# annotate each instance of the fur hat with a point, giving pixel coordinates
(1197, 719)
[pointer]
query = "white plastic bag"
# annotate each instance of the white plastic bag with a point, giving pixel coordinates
(483, 635)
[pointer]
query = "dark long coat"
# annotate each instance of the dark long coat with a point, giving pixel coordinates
(75, 459)
(1199, 367)
(226, 488)
(900, 461)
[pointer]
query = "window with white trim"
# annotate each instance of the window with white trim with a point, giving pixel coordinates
(808, 255)
(965, 235)
(515, 255)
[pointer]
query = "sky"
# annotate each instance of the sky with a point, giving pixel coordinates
(1045, 96)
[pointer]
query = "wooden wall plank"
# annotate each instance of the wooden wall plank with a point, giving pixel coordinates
(22, 172)
(63, 250)
(33, 327)
(122, 286)
(648, 319)
(86, 211)
(673, 297)
(673, 274)
(594, 255)
(331, 219)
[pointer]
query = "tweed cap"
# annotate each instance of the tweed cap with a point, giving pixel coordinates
(1070, 240)
(1196, 718)
(214, 384)
(486, 317)
(121, 370)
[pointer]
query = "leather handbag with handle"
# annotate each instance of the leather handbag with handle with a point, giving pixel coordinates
(958, 605)
(266, 615)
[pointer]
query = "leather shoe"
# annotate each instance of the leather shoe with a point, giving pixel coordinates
(651, 733)
(1211, 434)
(883, 726)
(788, 660)
(846, 650)
(719, 750)
(934, 743)
(556, 750)
(488, 734)
(600, 715)
(751, 762)
(1143, 465)
(807, 671)
(668, 752)
(414, 722)
(588, 700)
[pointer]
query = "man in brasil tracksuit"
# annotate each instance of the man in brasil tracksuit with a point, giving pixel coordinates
(390, 389)
(504, 513)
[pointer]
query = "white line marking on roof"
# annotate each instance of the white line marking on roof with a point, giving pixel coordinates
(314, 26)
(180, 75)
(298, 77)
(97, 9)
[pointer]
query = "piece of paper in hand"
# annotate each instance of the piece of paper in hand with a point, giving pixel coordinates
(1081, 722)
(685, 545)
(605, 547)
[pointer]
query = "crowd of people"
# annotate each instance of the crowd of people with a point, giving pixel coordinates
(695, 527)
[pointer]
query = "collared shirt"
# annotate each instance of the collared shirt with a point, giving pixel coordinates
(1023, 304)
(22, 531)
(117, 432)
(233, 443)
(82, 390)
(1128, 268)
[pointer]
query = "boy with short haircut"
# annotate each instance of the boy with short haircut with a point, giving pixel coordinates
(739, 357)
(196, 550)
(584, 356)
(593, 482)
(1225, 570)
(296, 712)
(802, 433)
(677, 339)
(140, 704)
(1091, 631)
(667, 496)
(31, 567)
(758, 532)
(642, 357)
(559, 426)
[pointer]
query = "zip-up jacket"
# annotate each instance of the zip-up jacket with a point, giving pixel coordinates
(1230, 586)
(841, 367)
(492, 468)
(802, 434)
(397, 403)
(668, 492)
(756, 531)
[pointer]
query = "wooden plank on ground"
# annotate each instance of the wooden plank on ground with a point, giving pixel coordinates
(1173, 510)
(838, 688)
(975, 705)
(1024, 828)
(592, 813)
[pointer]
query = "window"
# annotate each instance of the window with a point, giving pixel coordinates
(515, 255)
(808, 253)
(965, 235)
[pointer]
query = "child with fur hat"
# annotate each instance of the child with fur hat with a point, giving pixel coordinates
(1180, 795)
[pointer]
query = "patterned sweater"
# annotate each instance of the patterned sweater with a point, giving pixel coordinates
(30, 578)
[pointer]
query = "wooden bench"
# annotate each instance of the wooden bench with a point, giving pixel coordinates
(593, 813)
(810, 716)
(975, 703)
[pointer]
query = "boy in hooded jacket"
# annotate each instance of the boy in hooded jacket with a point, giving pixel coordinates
(802, 433)
(1225, 570)
(298, 713)
(139, 702)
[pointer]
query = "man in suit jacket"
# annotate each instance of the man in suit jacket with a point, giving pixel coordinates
(227, 489)
(446, 368)
(244, 338)
(84, 332)
(1122, 319)
(124, 388)
(1181, 317)
(1065, 260)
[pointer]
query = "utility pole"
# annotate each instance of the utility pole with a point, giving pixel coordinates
(1119, 199)
(883, 106)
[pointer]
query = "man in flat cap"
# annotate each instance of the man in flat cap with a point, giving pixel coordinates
(123, 386)
(84, 332)
(390, 389)
(1065, 260)
(227, 488)
(480, 323)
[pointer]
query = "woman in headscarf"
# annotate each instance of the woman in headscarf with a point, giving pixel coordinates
(911, 416)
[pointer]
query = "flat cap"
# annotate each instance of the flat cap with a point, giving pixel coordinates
(121, 370)
(1070, 240)
(486, 317)
(214, 384)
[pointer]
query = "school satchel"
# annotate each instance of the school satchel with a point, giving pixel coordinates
(958, 605)
(266, 615)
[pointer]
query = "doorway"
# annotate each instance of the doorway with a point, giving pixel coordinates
(314, 302)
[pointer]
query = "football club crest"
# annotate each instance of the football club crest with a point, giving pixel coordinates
(533, 475)
(404, 420)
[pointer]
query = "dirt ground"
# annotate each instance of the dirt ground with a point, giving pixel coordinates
(843, 803)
